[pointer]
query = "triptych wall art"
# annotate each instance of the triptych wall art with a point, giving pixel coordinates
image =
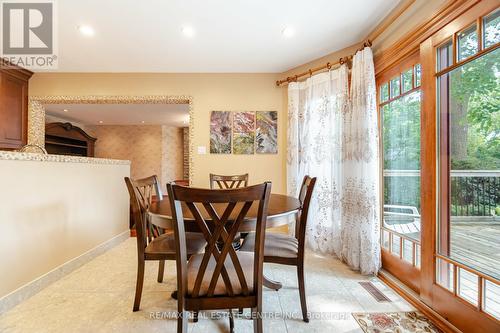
(244, 133)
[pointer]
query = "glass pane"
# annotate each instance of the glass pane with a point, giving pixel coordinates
(445, 56)
(407, 80)
(470, 113)
(418, 75)
(385, 239)
(408, 251)
(491, 29)
(401, 144)
(417, 256)
(467, 43)
(384, 92)
(467, 286)
(395, 87)
(491, 298)
(444, 274)
(396, 245)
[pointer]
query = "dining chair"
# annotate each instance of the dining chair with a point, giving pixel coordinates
(227, 182)
(152, 245)
(289, 250)
(219, 279)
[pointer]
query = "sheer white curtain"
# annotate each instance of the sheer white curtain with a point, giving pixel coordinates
(335, 138)
(315, 113)
(360, 220)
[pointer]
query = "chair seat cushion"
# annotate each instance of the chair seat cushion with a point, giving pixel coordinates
(165, 244)
(275, 245)
(246, 260)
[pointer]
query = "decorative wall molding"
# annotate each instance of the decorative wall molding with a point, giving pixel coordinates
(36, 118)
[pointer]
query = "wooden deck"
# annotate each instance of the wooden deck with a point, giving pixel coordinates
(477, 246)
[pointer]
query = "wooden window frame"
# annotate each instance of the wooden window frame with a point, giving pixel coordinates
(458, 311)
(407, 272)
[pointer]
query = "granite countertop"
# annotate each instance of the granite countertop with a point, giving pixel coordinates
(38, 157)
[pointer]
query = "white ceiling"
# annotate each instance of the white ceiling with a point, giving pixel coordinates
(122, 114)
(231, 35)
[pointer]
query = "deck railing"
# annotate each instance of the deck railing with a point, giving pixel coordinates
(473, 192)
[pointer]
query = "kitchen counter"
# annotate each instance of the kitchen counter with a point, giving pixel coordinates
(17, 156)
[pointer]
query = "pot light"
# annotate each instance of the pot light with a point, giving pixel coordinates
(288, 32)
(142, 122)
(86, 30)
(100, 121)
(188, 31)
(65, 110)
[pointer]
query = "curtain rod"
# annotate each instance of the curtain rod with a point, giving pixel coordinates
(344, 60)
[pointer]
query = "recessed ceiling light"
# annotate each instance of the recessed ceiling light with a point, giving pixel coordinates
(100, 121)
(86, 30)
(288, 32)
(65, 110)
(188, 31)
(142, 122)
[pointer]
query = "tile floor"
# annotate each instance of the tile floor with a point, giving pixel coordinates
(98, 297)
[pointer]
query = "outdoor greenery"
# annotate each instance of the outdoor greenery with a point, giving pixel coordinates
(473, 94)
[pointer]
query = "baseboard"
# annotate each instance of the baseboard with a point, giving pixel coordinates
(414, 300)
(31, 288)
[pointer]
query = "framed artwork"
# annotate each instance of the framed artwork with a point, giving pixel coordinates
(266, 132)
(220, 132)
(243, 133)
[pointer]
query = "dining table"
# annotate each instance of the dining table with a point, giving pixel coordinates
(282, 210)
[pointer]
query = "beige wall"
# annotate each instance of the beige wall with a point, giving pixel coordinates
(48, 216)
(209, 92)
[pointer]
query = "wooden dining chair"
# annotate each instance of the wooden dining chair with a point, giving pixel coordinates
(227, 182)
(289, 250)
(150, 244)
(219, 279)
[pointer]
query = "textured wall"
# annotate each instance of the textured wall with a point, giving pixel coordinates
(139, 144)
(171, 155)
(152, 149)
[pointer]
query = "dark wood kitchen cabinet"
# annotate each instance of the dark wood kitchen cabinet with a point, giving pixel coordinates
(13, 107)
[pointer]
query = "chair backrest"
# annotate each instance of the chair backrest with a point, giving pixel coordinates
(219, 214)
(305, 195)
(141, 196)
(227, 182)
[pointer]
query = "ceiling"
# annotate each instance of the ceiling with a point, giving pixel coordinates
(122, 114)
(229, 36)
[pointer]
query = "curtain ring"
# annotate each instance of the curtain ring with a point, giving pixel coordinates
(310, 73)
(295, 78)
(328, 66)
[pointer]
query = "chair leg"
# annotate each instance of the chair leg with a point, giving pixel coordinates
(161, 270)
(302, 291)
(182, 322)
(231, 321)
(138, 285)
(257, 319)
(195, 316)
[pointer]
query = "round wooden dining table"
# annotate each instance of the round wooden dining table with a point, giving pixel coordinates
(281, 211)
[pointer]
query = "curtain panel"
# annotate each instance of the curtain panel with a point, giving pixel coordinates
(333, 135)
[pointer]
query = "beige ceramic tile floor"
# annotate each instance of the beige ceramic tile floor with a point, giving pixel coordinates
(98, 297)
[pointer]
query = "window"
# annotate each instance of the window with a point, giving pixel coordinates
(400, 114)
